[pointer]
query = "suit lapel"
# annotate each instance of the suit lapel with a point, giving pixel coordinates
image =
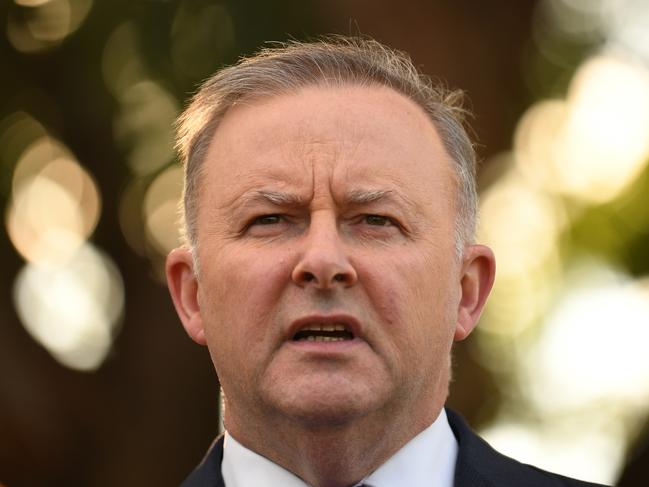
(208, 473)
(479, 465)
(470, 453)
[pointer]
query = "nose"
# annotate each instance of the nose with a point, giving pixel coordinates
(323, 262)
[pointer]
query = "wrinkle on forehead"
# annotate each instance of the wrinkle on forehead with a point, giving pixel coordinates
(352, 198)
(324, 153)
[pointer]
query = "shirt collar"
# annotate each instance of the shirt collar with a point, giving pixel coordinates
(242, 467)
(428, 459)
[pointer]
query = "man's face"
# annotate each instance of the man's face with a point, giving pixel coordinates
(329, 287)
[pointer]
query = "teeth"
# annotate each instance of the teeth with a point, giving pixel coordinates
(325, 327)
(324, 332)
(320, 338)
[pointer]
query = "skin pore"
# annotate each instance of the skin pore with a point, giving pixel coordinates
(335, 206)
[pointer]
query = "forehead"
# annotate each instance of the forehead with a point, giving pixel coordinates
(350, 135)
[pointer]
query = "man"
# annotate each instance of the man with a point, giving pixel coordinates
(329, 212)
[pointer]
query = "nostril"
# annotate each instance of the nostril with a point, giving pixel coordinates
(308, 276)
(323, 277)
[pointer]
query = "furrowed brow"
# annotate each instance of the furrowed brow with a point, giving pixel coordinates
(360, 197)
(364, 197)
(276, 198)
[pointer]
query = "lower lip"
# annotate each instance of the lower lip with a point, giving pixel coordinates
(338, 346)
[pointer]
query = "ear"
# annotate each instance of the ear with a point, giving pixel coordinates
(183, 286)
(477, 278)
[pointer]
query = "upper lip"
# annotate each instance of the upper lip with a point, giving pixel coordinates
(350, 322)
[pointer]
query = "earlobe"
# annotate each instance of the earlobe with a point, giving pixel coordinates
(183, 287)
(478, 274)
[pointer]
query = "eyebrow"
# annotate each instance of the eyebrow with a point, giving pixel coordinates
(364, 197)
(353, 197)
(360, 196)
(276, 198)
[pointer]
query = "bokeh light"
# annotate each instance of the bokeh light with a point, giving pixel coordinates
(17, 131)
(69, 296)
(604, 316)
(161, 210)
(130, 220)
(144, 130)
(580, 19)
(566, 333)
(627, 27)
(145, 126)
(73, 309)
(31, 3)
(535, 145)
(520, 223)
(36, 25)
(585, 389)
(55, 204)
(578, 445)
(593, 145)
(517, 302)
(605, 143)
(121, 62)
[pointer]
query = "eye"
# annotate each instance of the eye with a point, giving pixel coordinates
(378, 220)
(267, 220)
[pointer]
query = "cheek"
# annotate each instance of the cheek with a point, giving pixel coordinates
(415, 297)
(239, 291)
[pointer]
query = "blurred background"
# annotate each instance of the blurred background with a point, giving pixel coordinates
(99, 386)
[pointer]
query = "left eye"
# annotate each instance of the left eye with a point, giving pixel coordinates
(378, 220)
(267, 220)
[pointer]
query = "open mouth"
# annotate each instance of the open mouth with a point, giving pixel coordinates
(323, 332)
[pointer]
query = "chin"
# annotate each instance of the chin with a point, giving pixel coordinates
(321, 408)
(327, 417)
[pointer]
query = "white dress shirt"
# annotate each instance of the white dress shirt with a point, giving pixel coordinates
(426, 460)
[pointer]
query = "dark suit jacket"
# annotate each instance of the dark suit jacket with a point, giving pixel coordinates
(478, 465)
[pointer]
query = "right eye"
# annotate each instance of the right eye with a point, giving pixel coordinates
(378, 220)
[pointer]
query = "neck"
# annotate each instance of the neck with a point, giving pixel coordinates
(334, 455)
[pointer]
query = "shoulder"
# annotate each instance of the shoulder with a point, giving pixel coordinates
(479, 465)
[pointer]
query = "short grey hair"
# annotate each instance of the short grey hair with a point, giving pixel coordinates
(330, 61)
